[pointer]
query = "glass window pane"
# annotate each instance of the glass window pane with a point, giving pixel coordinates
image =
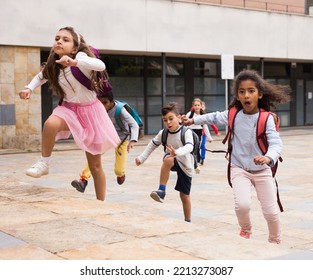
(175, 86)
(300, 102)
(276, 70)
(154, 67)
(283, 106)
(249, 65)
(155, 124)
(214, 103)
(124, 66)
(154, 106)
(124, 87)
(205, 68)
(174, 67)
(284, 118)
(154, 86)
(209, 86)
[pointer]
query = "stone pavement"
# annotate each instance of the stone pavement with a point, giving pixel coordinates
(46, 219)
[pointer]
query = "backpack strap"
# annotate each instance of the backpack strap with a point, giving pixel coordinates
(183, 130)
(85, 81)
(276, 120)
(261, 133)
(119, 105)
(80, 76)
(164, 137)
(261, 130)
(182, 134)
(263, 144)
(118, 119)
(194, 135)
(232, 112)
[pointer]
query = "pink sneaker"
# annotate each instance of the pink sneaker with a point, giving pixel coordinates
(245, 233)
(274, 241)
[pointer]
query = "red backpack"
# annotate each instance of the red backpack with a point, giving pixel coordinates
(260, 136)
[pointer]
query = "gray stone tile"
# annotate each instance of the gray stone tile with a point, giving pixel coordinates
(7, 240)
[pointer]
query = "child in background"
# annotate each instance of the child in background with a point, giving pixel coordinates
(197, 110)
(79, 113)
(177, 158)
(128, 137)
(204, 138)
(249, 167)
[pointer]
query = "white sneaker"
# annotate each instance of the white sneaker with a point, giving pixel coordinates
(38, 169)
(197, 170)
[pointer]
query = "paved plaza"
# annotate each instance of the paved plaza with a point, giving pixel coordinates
(47, 219)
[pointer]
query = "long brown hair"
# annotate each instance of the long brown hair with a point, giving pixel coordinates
(52, 69)
(272, 94)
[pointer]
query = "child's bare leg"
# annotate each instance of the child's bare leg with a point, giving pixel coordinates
(95, 165)
(186, 201)
(168, 163)
(52, 126)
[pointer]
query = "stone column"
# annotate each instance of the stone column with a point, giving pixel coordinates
(20, 120)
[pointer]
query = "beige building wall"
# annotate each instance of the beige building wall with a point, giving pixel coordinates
(148, 27)
(17, 67)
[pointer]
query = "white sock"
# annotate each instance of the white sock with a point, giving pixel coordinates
(46, 159)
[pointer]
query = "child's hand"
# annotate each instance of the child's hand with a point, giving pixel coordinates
(25, 93)
(130, 145)
(186, 121)
(65, 60)
(171, 150)
(137, 161)
(259, 160)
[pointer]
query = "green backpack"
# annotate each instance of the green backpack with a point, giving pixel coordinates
(132, 112)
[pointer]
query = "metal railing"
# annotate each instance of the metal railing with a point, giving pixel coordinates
(253, 4)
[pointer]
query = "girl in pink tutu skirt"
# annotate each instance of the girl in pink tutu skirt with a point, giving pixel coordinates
(79, 113)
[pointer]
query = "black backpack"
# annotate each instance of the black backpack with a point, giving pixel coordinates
(196, 141)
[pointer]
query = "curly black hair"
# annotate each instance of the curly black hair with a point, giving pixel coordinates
(272, 94)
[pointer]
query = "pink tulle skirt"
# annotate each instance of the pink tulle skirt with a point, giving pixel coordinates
(89, 124)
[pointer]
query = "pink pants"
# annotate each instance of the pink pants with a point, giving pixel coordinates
(264, 185)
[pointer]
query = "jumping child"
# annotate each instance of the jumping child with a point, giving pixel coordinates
(177, 158)
(80, 113)
(248, 166)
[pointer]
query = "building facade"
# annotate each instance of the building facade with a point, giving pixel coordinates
(157, 51)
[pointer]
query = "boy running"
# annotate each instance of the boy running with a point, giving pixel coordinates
(177, 157)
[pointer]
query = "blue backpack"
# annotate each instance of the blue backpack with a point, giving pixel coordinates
(132, 111)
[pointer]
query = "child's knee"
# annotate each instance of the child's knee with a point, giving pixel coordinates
(168, 162)
(95, 168)
(185, 198)
(272, 217)
(242, 208)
